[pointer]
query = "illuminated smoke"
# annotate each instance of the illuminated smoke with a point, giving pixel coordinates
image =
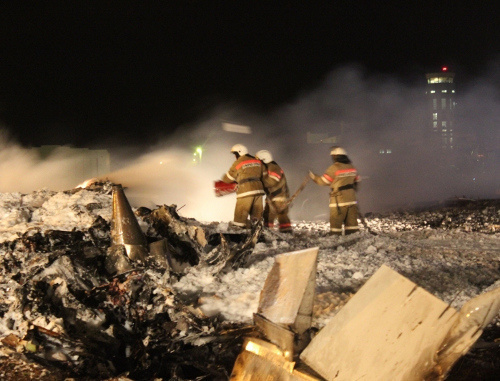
(23, 171)
(365, 114)
(169, 176)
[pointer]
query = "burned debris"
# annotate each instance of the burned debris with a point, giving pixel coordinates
(458, 213)
(229, 255)
(412, 334)
(98, 301)
(97, 305)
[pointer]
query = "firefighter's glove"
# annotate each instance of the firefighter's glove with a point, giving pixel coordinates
(312, 175)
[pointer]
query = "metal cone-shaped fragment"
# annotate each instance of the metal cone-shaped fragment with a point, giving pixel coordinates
(125, 229)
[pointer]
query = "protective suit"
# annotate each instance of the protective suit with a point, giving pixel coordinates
(277, 193)
(247, 171)
(343, 179)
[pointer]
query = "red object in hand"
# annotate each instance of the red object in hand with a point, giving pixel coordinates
(221, 188)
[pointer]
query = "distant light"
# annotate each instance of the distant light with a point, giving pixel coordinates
(444, 68)
(198, 151)
(161, 162)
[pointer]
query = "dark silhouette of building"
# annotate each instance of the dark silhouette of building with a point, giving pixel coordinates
(85, 163)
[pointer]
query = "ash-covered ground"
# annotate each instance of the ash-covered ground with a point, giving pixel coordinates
(63, 313)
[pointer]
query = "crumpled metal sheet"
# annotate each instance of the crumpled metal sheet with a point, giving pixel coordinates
(390, 329)
(92, 312)
(393, 329)
(229, 255)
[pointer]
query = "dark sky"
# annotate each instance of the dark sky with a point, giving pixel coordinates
(132, 71)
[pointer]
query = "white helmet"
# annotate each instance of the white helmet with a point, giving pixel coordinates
(338, 151)
(265, 156)
(240, 149)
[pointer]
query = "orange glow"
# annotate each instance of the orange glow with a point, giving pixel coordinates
(86, 183)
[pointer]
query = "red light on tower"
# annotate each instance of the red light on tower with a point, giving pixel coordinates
(444, 68)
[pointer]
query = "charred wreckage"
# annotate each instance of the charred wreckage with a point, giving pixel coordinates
(98, 304)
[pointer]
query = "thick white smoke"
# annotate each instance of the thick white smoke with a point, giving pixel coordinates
(24, 171)
(365, 114)
(168, 175)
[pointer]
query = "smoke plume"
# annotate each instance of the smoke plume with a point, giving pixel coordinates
(379, 120)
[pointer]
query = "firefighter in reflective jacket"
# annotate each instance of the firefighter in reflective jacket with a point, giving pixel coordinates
(247, 171)
(343, 178)
(277, 193)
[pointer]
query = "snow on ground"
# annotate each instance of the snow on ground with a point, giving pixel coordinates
(48, 210)
(454, 254)
(453, 265)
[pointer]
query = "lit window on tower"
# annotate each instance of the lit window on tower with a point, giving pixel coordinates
(440, 80)
(443, 106)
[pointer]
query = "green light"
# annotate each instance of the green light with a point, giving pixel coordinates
(199, 151)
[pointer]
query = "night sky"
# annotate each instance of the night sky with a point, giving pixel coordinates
(90, 73)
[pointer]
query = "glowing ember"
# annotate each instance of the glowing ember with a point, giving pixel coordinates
(87, 183)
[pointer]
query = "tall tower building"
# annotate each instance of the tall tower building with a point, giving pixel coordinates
(441, 97)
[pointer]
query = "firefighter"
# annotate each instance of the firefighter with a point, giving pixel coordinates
(277, 193)
(247, 172)
(343, 178)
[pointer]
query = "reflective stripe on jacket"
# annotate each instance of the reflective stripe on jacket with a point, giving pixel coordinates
(275, 181)
(247, 171)
(341, 178)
